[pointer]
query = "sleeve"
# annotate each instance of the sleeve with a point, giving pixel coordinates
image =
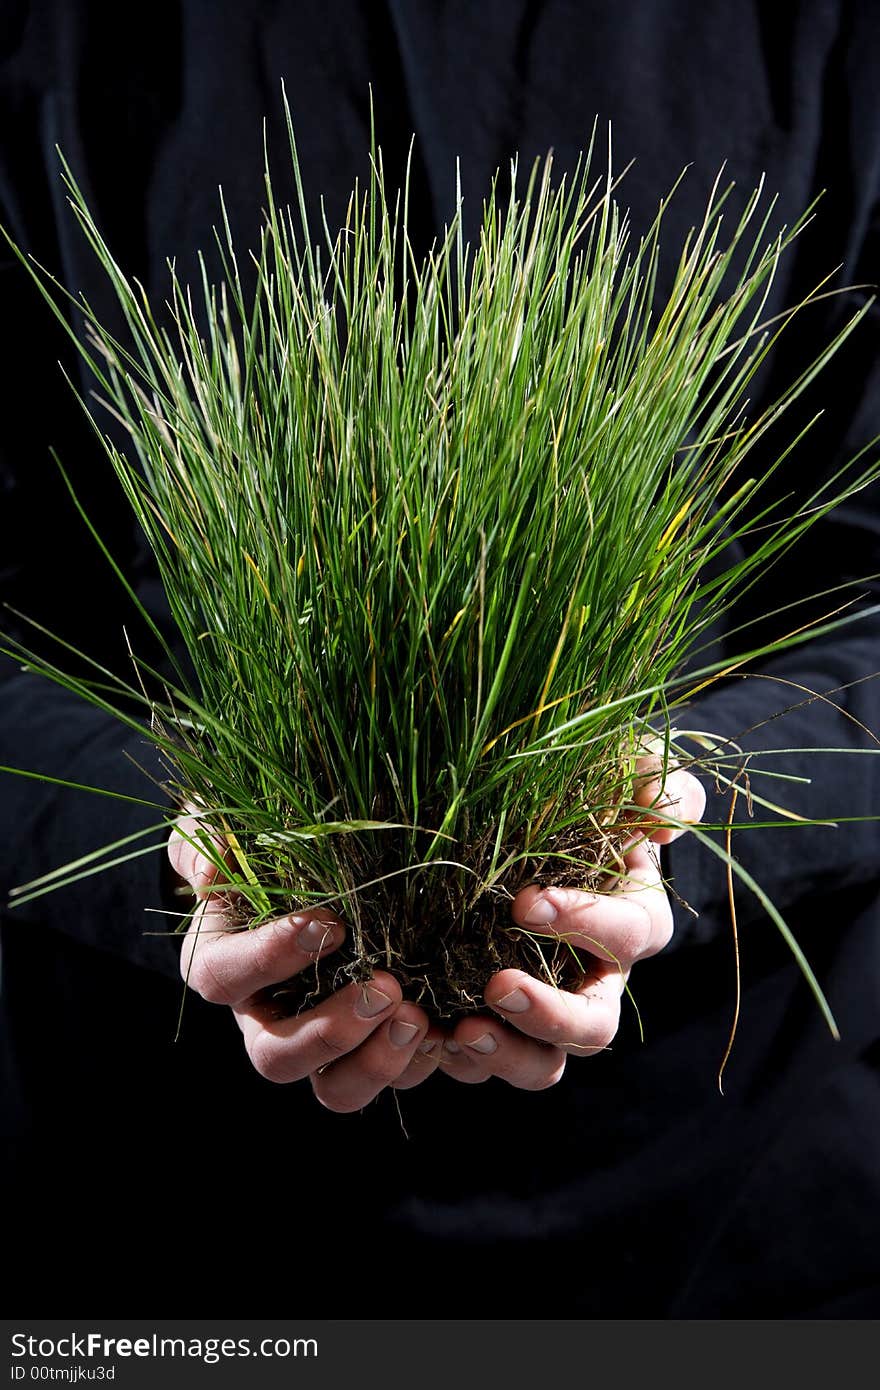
(129, 910)
(822, 695)
(52, 570)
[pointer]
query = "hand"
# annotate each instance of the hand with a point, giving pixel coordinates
(365, 1038)
(351, 1046)
(538, 1026)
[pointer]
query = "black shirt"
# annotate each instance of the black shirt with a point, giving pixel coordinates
(670, 1200)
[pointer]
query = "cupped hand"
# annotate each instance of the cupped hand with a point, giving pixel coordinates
(351, 1046)
(365, 1037)
(535, 1027)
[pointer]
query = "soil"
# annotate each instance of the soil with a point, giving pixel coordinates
(441, 946)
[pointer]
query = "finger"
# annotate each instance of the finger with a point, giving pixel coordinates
(227, 966)
(679, 796)
(655, 758)
(196, 853)
(584, 1022)
(387, 1054)
(482, 1047)
(622, 926)
(289, 1049)
(425, 1061)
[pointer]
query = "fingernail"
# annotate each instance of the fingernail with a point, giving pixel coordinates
(429, 1049)
(485, 1044)
(516, 1002)
(371, 1002)
(541, 913)
(451, 1047)
(314, 935)
(401, 1034)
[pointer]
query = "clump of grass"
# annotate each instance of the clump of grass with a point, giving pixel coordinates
(435, 534)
